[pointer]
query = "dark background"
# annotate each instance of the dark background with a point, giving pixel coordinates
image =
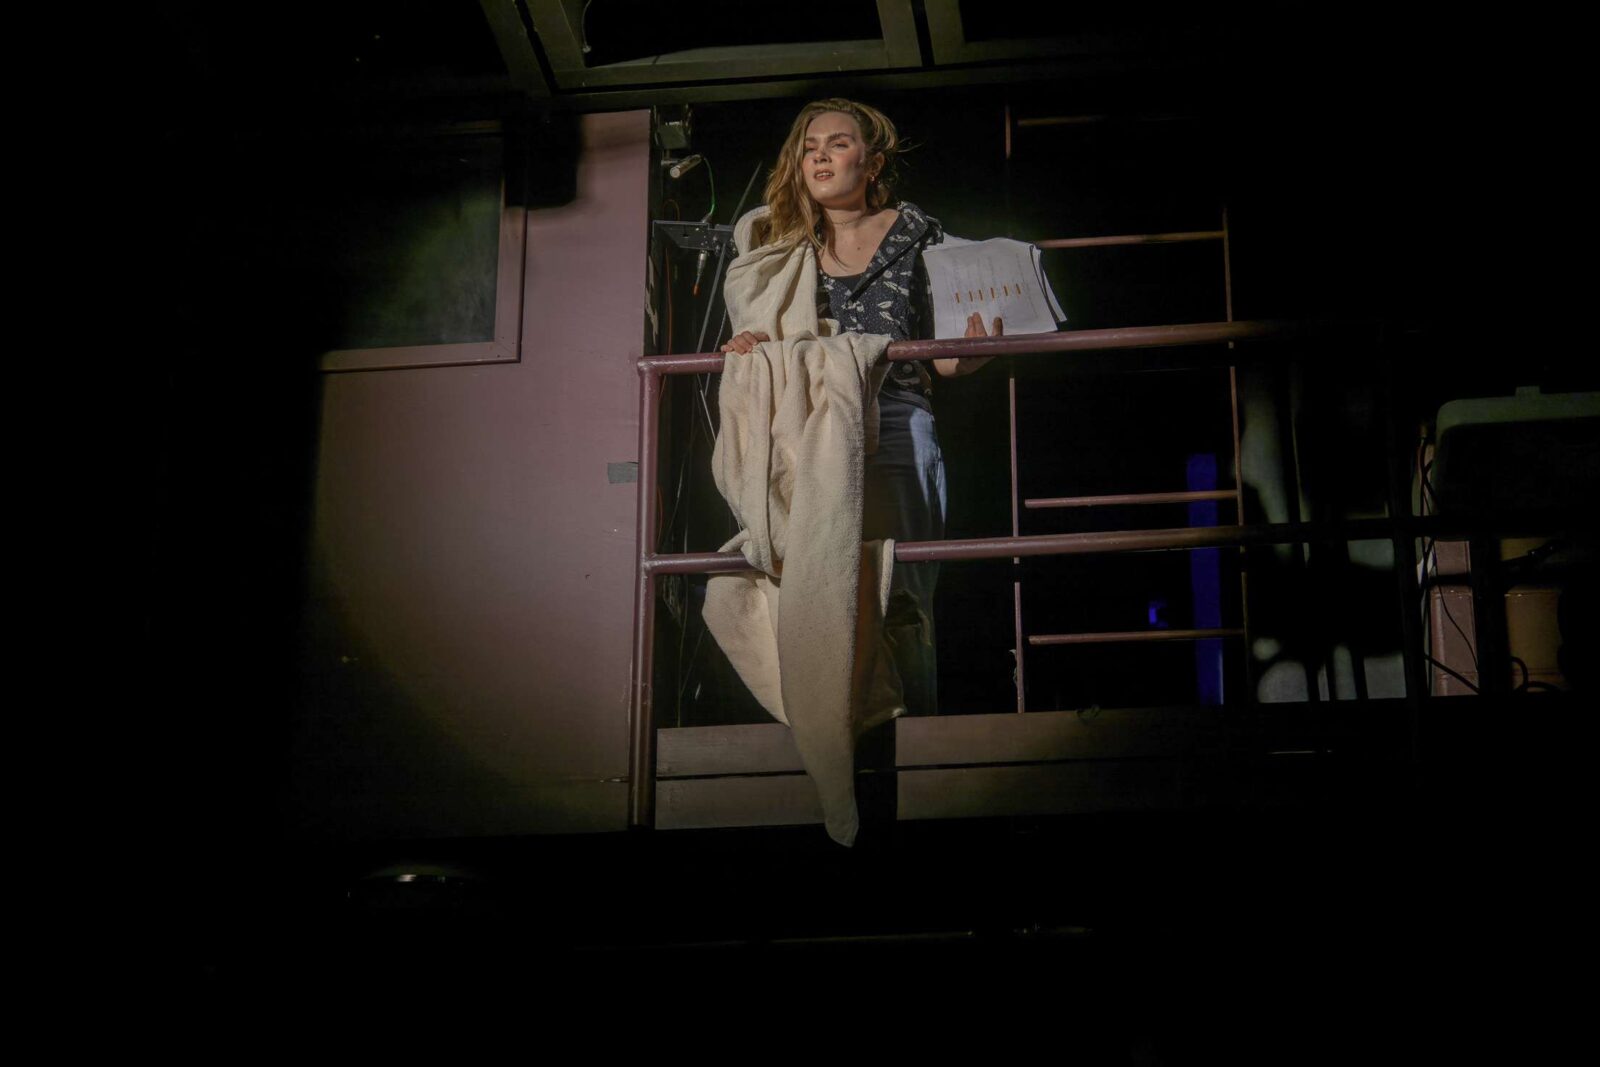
(1415, 171)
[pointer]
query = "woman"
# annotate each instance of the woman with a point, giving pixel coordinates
(832, 188)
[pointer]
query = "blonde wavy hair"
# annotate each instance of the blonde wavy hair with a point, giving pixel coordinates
(792, 216)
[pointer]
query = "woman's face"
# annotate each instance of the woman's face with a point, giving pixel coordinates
(835, 163)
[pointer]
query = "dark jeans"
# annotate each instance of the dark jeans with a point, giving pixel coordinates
(905, 500)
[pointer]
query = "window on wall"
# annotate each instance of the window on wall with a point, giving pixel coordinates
(418, 247)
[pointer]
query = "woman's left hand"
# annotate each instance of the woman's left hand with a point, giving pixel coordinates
(955, 367)
(975, 326)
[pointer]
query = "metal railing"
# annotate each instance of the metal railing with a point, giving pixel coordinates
(1399, 527)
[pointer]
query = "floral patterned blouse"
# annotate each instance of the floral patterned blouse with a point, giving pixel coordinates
(890, 297)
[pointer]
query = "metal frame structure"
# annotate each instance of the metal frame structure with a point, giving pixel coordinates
(560, 28)
(1400, 527)
(931, 46)
(1013, 122)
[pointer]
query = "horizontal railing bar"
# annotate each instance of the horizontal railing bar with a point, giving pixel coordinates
(1110, 637)
(1104, 542)
(1114, 499)
(1069, 544)
(1194, 333)
(1131, 239)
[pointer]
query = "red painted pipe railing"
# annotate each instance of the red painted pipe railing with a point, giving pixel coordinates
(1098, 542)
(641, 759)
(1189, 334)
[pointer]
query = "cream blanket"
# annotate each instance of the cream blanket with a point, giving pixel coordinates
(798, 415)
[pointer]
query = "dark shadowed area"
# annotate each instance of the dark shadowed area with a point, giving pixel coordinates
(406, 260)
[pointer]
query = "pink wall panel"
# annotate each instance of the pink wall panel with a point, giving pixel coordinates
(473, 564)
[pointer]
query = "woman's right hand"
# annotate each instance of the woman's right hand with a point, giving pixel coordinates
(744, 342)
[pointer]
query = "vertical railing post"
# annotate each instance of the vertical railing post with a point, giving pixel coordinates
(1248, 666)
(1016, 531)
(641, 716)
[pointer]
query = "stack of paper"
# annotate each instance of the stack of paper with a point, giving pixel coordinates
(999, 278)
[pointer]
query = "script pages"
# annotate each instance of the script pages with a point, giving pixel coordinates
(998, 277)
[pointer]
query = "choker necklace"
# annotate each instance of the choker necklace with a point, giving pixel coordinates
(856, 225)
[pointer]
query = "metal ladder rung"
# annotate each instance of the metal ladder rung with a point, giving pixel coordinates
(1109, 637)
(1116, 499)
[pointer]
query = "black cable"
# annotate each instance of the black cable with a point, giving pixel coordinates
(688, 675)
(703, 387)
(1452, 672)
(665, 537)
(1528, 684)
(722, 257)
(703, 381)
(751, 184)
(1430, 550)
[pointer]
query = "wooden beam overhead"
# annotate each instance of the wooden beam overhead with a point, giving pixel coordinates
(515, 47)
(845, 83)
(899, 25)
(559, 24)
